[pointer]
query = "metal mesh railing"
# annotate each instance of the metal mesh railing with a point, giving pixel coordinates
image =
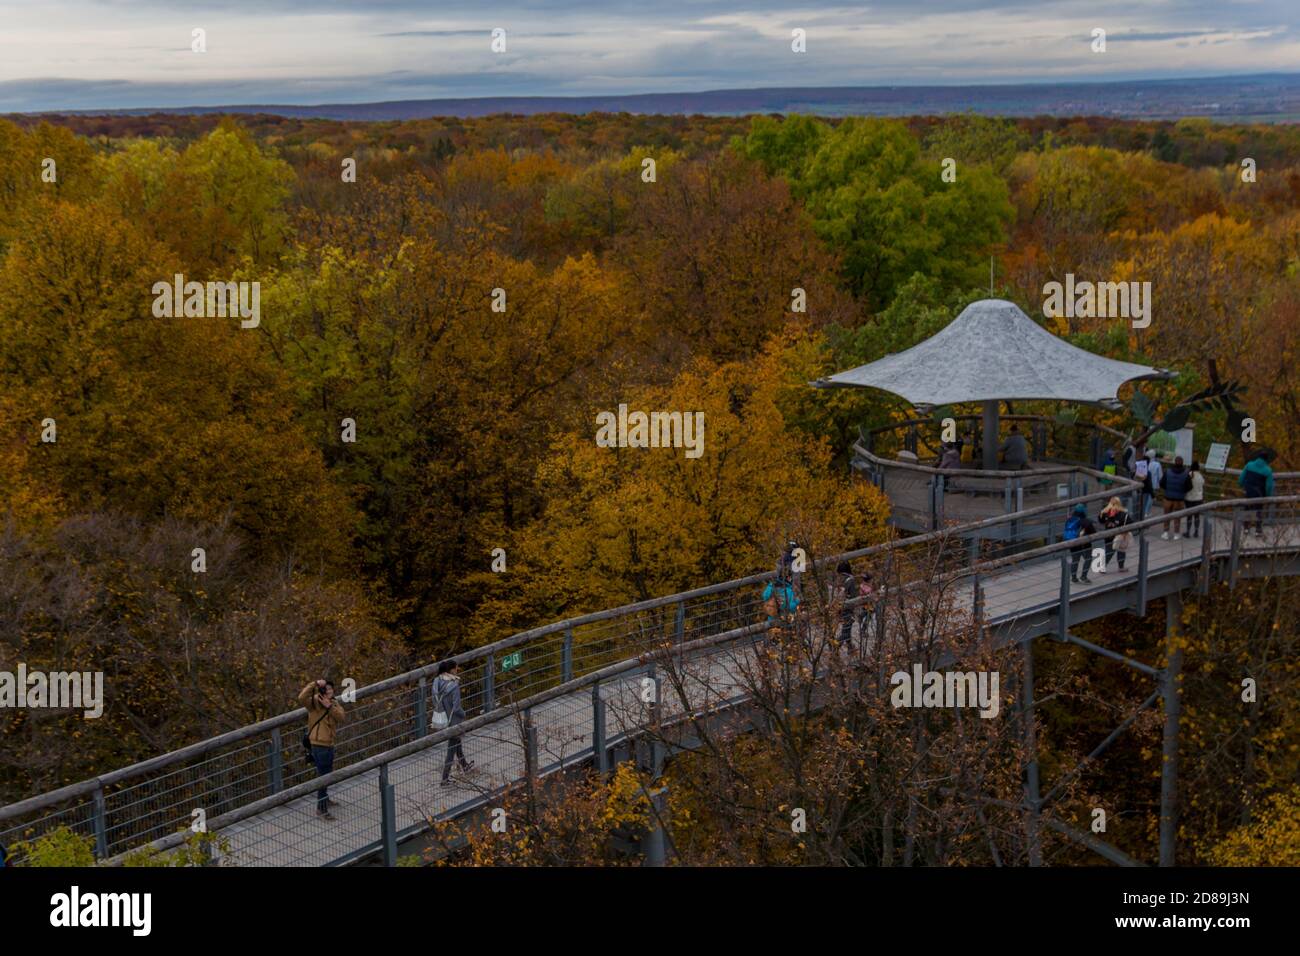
(145, 802)
(560, 727)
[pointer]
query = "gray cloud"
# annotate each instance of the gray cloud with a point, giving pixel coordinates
(134, 53)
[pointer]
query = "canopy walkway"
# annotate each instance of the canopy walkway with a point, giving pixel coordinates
(576, 690)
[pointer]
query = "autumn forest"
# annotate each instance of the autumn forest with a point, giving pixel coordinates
(462, 298)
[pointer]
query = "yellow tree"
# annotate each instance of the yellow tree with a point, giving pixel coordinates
(627, 524)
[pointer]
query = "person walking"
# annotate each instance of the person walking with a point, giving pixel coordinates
(446, 700)
(1144, 471)
(1175, 482)
(1079, 525)
(1256, 481)
(780, 600)
(848, 590)
(1113, 516)
(1195, 496)
(324, 714)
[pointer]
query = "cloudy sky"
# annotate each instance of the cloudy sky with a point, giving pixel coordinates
(78, 54)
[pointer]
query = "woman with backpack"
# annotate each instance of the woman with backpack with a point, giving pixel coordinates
(447, 712)
(1113, 516)
(1079, 526)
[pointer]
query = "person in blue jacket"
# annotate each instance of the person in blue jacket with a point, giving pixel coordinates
(1256, 481)
(780, 599)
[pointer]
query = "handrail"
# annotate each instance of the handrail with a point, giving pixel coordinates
(635, 663)
(460, 729)
(975, 416)
(96, 785)
(991, 473)
(203, 747)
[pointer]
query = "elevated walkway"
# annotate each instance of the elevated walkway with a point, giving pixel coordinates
(575, 689)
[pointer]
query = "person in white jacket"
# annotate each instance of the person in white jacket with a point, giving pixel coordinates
(1195, 496)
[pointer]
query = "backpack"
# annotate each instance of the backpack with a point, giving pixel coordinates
(1140, 470)
(439, 720)
(306, 738)
(1072, 527)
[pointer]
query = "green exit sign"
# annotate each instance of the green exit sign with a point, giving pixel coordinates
(512, 660)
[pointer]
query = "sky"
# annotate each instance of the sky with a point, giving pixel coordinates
(78, 54)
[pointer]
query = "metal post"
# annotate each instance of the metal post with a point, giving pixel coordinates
(934, 518)
(277, 762)
(421, 709)
(387, 817)
(566, 666)
(1063, 618)
(601, 755)
(1144, 558)
(990, 436)
(679, 625)
(101, 825)
(1207, 535)
(489, 677)
(654, 844)
(1235, 553)
(530, 745)
(1032, 800)
(1006, 496)
(1170, 687)
(938, 500)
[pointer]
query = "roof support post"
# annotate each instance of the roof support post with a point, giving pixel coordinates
(990, 436)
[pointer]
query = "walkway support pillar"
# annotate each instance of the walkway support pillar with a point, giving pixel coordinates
(1170, 687)
(1032, 800)
(654, 843)
(990, 440)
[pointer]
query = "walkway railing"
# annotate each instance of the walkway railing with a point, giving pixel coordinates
(152, 799)
(580, 709)
(924, 498)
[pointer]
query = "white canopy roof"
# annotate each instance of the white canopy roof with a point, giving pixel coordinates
(994, 351)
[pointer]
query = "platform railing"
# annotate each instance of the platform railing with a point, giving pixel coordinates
(406, 773)
(147, 800)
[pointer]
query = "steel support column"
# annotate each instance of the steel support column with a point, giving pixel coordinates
(1170, 688)
(1032, 801)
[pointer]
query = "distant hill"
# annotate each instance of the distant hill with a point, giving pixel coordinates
(1265, 97)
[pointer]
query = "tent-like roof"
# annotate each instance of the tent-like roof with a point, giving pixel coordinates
(994, 351)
